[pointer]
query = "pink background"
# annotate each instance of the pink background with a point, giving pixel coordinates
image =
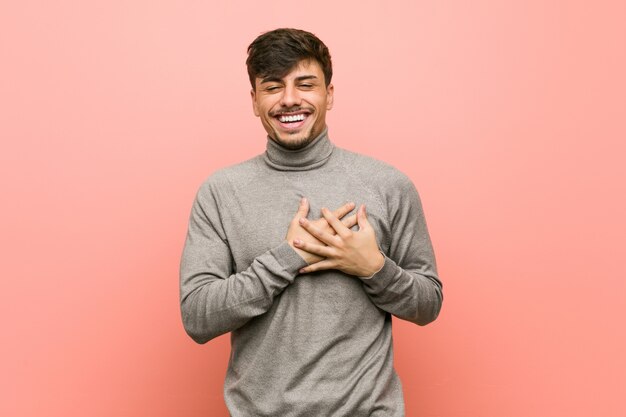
(508, 116)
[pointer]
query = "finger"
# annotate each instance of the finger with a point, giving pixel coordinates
(343, 210)
(328, 229)
(339, 227)
(318, 233)
(349, 222)
(361, 216)
(322, 224)
(339, 213)
(313, 248)
(303, 208)
(318, 266)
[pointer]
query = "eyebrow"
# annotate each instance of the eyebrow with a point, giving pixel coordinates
(279, 80)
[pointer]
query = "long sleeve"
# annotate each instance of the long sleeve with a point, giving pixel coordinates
(407, 285)
(214, 299)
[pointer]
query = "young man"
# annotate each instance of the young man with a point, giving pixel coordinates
(308, 298)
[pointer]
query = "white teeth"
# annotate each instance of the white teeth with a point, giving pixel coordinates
(294, 118)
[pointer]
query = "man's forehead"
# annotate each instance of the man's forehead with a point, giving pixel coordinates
(307, 68)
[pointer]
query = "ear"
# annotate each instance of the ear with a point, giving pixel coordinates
(329, 96)
(255, 109)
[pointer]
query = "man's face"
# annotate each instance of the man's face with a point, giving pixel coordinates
(293, 108)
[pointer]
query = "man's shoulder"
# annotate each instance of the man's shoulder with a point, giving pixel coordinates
(373, 169)
(228, 178)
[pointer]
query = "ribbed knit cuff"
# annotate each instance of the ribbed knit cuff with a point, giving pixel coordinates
(381, 279)
(288, 258)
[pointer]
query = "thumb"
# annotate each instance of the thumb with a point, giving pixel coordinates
(303, 208)
(361, 217)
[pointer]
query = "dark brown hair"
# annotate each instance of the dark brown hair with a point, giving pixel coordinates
(276, 53)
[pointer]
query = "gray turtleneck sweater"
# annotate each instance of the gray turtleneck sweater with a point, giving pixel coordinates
(314, 344)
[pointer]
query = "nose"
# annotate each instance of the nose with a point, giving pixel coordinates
(290, 97)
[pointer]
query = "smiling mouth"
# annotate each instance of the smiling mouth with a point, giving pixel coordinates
(293, 120)
(287, 118)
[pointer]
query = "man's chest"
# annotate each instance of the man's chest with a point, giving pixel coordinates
(257, 214)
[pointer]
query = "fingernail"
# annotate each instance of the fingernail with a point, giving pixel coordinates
(302, 221)
(296, 242)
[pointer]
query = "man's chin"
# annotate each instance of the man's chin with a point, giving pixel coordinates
(293, 143)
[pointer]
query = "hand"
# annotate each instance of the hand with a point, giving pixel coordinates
(296, 232)
(355, 253)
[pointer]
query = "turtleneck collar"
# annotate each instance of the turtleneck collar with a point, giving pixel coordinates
(313, 155)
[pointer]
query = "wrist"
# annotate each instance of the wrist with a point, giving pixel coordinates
(377, 264)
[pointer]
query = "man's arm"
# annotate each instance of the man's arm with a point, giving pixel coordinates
(214, 299)
(403, 282)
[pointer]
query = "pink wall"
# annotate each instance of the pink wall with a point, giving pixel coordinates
(509, 117)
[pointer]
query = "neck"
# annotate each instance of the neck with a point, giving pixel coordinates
(311, 156)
